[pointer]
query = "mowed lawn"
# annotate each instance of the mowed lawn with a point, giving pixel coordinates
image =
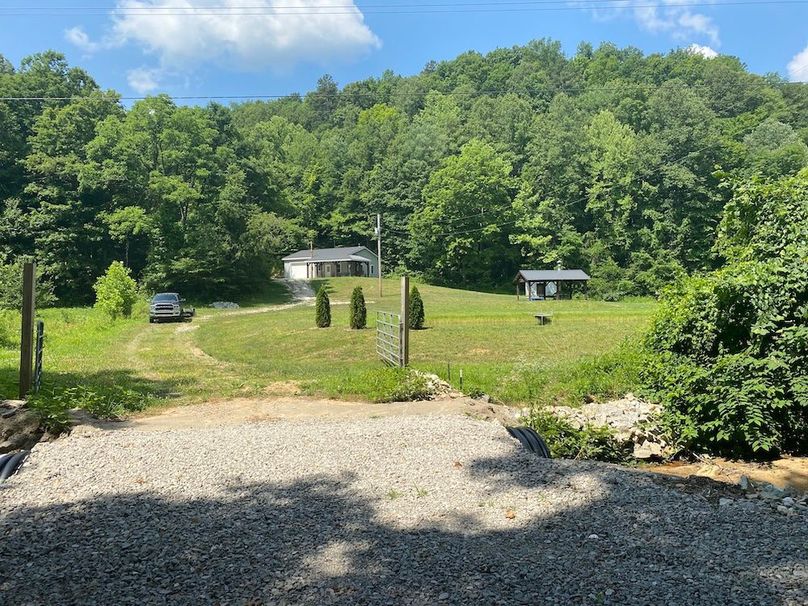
(266, 348)
(492, 338)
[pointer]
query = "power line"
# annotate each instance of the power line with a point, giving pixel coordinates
(303, 7)
(460, 232)
(583, 87)
(154, 11)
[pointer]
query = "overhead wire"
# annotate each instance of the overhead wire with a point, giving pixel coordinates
(561, 88)
(562, 5)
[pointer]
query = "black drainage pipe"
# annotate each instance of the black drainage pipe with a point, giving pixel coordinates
(4, 459)
(530, 440)
(12, 465)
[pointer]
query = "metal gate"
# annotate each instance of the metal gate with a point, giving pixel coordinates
(388, 338)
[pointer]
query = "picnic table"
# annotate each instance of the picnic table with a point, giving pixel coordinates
(543, 318)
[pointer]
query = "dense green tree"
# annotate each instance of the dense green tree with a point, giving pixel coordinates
(607, 160)
(774, 149)
(732, 345)
(460, 235)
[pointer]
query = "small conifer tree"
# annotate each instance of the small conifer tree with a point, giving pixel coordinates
(358, 312)
(416, 319)
(322, 308)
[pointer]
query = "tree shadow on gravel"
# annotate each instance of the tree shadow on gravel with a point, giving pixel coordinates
(318, 541)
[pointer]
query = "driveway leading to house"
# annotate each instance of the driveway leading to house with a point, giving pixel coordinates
(393, 510)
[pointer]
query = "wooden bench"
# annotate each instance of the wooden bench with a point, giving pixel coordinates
(543, 319)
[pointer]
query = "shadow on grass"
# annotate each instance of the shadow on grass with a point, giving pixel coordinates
(316, 285)
(119, 380)
(271, 293)
(318, 541)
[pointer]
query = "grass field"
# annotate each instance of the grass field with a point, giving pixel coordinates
(493, 338)
(260, 349)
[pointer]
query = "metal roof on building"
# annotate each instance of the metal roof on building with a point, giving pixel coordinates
(345, 253)
(552, 275)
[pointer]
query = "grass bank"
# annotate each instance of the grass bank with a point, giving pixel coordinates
(494, 339)
(258, 350)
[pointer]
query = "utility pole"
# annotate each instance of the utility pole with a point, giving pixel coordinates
(379, 250)
(27, 336)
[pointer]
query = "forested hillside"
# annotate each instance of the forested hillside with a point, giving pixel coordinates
(607, 160)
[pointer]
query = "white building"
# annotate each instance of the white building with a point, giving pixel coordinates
(330, 263)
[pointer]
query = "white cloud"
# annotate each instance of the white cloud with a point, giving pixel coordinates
(672, 17)
(78, 37)
(143, 79)
(185, 33)
(704, 51)
(798, 67)
(678, 21)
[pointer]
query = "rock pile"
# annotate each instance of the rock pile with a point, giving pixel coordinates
(438, 388)
(630, 419)
(785, 501)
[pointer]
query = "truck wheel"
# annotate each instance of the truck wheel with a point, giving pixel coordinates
(151, 320)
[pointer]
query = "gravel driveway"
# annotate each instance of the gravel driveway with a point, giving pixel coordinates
(396, 510)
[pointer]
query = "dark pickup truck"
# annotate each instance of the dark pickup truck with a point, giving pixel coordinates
(169, 306)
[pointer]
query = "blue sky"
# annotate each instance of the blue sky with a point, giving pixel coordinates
(125, 46)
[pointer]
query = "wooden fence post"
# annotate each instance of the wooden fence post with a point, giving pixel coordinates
(27, 335)
(405, 321)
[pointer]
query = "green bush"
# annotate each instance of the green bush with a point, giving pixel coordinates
(566, 441)
(416, 319)
(116, 291)
(109, 403)
(53, 415)
(731, 347)
(357, 311)
(322, 309)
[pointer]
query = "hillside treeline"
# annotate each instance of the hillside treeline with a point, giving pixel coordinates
(608, 160)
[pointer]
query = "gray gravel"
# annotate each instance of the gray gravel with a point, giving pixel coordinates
(399, 510)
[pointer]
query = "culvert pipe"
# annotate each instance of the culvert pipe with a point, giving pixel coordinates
(12, 464)
(4, 459)
(530, 440)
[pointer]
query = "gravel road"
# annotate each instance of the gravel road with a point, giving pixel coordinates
(395, 510)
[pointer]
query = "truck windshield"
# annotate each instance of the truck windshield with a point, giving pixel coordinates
(165, 298)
